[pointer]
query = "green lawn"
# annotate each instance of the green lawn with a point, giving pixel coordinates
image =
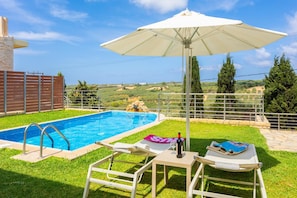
(55, 177)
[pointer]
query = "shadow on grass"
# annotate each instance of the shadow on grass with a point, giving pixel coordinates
(28, 186)
(32, 187)
(177, 178)
(38, 187)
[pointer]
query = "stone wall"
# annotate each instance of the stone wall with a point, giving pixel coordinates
(6, 53)
(6, 46)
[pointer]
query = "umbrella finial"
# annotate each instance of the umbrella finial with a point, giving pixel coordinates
(186, 12)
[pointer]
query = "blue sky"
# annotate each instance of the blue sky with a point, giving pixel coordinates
(65, 36)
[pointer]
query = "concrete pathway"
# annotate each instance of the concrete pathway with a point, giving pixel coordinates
(280, 140)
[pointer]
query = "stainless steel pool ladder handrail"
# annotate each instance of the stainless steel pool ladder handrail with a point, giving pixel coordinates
(57, 130)
(39, 127)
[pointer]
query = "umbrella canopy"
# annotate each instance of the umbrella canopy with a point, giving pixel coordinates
(191, 33)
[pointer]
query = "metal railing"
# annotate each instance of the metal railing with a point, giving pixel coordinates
(211, 106)
(281, 121)
(83, 99)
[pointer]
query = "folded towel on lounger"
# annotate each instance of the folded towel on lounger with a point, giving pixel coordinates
(162, 140)
(229, 147)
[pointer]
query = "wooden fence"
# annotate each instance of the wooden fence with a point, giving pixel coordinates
(22, 93)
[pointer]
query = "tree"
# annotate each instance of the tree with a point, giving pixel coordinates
(226, 81)
(280, 95)
(226, 84)
(61, 75)
(196, 101)
(84, 94)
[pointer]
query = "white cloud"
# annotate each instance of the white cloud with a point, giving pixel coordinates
(262, 53)
(67, 14)
(47, 36)
(226, 5)
(21, 14)
(290, 49)
(210, 68)
(237, 66)
(27, 51)
(161, 6)
(95, 0)
(292, 21)
(262, 58)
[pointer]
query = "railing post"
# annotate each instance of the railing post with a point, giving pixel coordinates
(159, 105)
(195, 105)
(224, 112)
(81, 99)
(167, 105)
(278, 122)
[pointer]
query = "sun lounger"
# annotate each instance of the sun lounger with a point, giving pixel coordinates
(243, 162)
(119, 179)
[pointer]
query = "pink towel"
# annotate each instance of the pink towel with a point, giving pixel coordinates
(162, 140)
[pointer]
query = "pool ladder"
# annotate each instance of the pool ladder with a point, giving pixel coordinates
(43, 132)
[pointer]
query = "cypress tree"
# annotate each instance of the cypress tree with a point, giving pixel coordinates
(196, 102)
(280, 95)
(226, 84)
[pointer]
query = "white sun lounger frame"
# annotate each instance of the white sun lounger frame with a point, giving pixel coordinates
(143, 148)
(244, 162)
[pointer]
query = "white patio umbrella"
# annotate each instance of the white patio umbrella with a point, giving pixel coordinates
(192, 34)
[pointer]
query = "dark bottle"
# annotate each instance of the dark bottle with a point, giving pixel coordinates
(179, 146)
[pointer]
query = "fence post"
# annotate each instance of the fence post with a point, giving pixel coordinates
(52, 96)
(39, 93)
(25, 92)
(5, 92)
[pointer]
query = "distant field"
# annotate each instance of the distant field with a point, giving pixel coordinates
(119, 96)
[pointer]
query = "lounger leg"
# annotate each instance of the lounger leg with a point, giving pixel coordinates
(202, 179)
(194, 182)
(145, 162)
(255, 181)
(87, 186)
(110, 165)
(261, 184)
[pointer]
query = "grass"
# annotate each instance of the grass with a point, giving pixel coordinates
(55, 177)
(26, 119)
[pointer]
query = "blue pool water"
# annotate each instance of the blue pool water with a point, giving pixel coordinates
(82, 131)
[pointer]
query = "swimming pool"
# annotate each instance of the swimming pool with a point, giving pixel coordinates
(82, 131)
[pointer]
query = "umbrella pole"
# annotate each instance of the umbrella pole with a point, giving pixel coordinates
(188, 88)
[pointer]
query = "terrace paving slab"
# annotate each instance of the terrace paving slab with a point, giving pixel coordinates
(34, 156)
(280, 140)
